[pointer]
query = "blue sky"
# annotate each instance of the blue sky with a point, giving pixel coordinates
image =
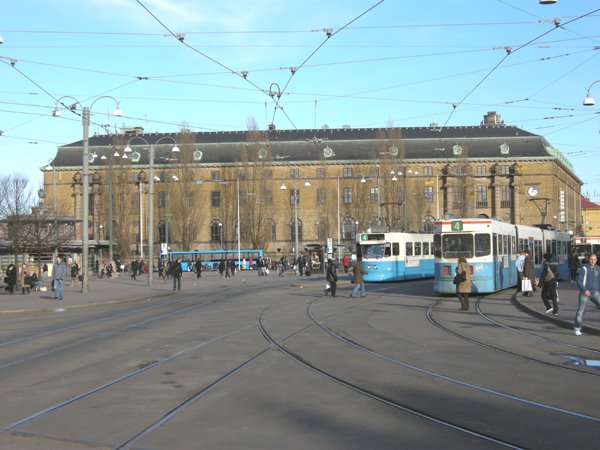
(400, 63)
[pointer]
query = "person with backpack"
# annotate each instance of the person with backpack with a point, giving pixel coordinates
(463, 282)
(549, 283)
(331, 278)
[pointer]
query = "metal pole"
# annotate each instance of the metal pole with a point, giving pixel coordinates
(238, 224)
(437, 195)
(296, 220)
(55, 252)
(110, 210)
(404, 199)
(141, 222)
(167, 213)
(338, 211)
(151, 216)
(85, 203)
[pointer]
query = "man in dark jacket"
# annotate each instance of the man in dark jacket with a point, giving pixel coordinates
(176, 273)
(331, 278)
(548, 282)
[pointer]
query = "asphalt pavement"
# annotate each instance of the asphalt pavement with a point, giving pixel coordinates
(123, 288)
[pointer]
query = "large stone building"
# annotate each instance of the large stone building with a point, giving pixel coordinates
(343, 180)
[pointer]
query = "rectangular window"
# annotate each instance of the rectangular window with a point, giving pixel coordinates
(374, 195)
(243, 175)
(458, 170)
(267, 197)
(458, 197)
(396, 248)
(347, 196)
(294, 173)
(374, 172)
(215, 199)
(135, 201)
(417, 249)
(162, 176)
(409, 249)
(162, 199)
(481, 196)
(425, 248)
(294, 196)
(215, 175)
(481, 170)
(505, 170)
(428, 171)
(428, 194)
(347, 172)
(320, 172)
(320, 196)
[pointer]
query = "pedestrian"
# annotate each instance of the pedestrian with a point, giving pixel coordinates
(59, 272)
(588, 281)
(45, 271)
(345, 263)
(529, 272)
(24, 281)
(573, 265)
(176, 273)
(134, 269)
(331, 278)
(463, 282)
(198, 268)
(358, 271)
(549, 283)
(519, 263)
(74, 274)
(11, 278)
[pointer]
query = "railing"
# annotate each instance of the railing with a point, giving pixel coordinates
(505, 204)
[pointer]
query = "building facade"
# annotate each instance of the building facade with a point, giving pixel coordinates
(333, 182)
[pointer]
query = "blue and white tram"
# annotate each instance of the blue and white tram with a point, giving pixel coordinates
(491, 248)
(394, 256)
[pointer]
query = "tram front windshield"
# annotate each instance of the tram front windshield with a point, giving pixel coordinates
(373, 251)
(467, 245)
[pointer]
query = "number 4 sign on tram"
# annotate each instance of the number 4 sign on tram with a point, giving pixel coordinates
(456, 225)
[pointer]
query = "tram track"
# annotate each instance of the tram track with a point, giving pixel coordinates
(485, 345)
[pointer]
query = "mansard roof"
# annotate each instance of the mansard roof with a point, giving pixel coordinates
(335, 145)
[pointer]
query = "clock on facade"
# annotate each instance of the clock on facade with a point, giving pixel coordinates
(533, 191)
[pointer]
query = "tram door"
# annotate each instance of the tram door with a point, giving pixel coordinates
(496, 265)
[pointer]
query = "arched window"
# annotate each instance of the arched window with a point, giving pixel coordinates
(216, 231)
(427, 224)
(321, 229)
(292, 230)
(483, 216)
(349, 229)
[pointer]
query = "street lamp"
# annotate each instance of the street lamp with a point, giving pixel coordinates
(589, 100)
(85, 120)
(55, 251)
(295, 199)
(135, 157)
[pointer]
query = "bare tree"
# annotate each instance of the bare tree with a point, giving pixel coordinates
(16, 201)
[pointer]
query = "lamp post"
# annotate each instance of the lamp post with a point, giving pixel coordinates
(403, 173)
(55, 251)
(589, 100)
(85, 120)
(135, 157)
(295, 199)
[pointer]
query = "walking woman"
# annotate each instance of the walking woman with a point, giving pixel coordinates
(463, 287)
(573, 265)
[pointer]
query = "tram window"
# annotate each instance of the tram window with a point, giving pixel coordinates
(417, 249)
(455, 245)
(482, 244)
(548, 246)
(437, 246)
(505, 244)
(409, 249)
(372, 251)
(554, 251)
(513, 248)
(495, 243)
(522, 245)
(425, 248)
(395, 248)
(388, 249)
